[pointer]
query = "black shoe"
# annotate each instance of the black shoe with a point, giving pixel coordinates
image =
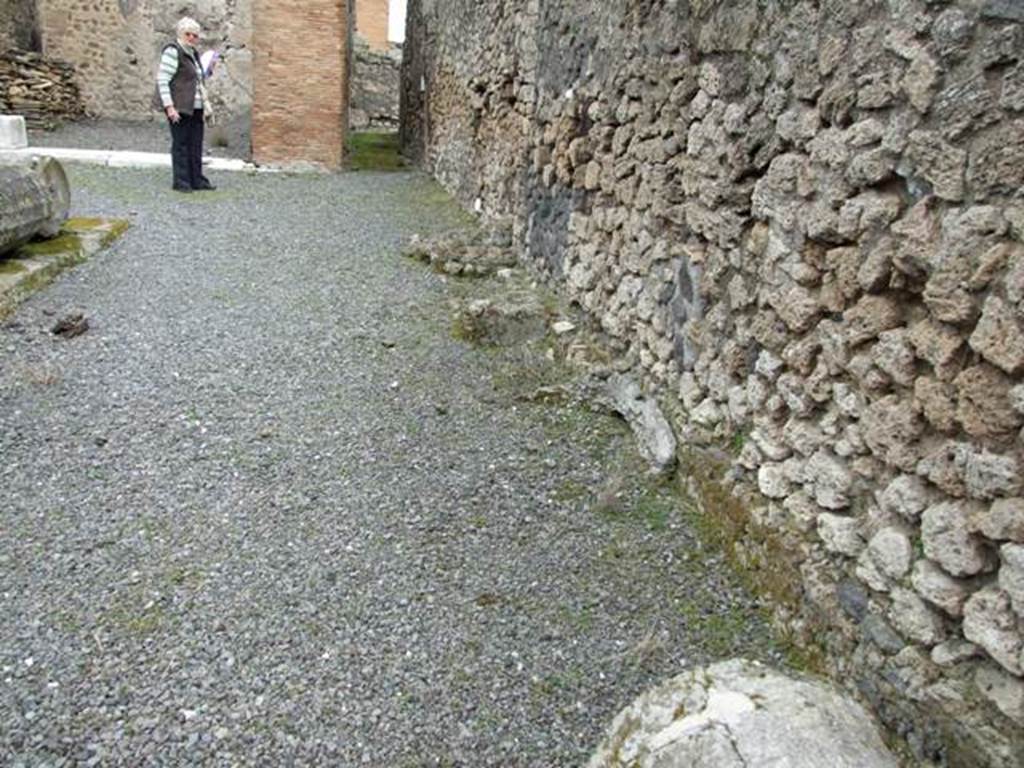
(182, 189)
(206, 186)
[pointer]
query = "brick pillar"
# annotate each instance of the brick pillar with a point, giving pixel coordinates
(300, 81)
(372, 22)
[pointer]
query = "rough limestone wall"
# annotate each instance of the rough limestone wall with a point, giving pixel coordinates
(17, 25)
(803, 223)
(115, 46)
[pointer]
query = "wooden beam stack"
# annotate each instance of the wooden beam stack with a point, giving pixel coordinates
(40, 89)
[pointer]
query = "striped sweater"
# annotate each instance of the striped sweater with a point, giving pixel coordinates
(168, 67)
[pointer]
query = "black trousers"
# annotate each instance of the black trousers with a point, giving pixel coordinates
(187, 151)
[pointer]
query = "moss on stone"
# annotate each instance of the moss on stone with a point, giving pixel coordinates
(83, 222)
(764, 560)
(67, 242)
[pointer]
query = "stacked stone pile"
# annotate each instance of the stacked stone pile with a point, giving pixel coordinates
(807, 224)
(40, 89)
(458, 256)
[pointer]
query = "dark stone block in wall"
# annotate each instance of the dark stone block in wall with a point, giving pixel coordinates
(878, 631)
(854, 599)
(1012, 10)
(549, 227)
(564, 50)
(686, 305)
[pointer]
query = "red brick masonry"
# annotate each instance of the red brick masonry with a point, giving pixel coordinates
(300, 71)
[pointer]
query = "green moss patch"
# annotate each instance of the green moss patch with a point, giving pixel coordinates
(372, 151)
(765, 560)
(83, 223)
(10, 267)
(78, 239)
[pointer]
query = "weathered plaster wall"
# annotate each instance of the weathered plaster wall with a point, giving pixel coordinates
(115, 46)
(803, 223)
(18, 25)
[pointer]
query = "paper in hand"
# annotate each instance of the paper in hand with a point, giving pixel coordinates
(207, 60)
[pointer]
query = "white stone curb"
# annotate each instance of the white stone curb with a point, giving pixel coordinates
(114, 159)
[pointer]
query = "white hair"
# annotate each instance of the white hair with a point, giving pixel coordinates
(186, 24)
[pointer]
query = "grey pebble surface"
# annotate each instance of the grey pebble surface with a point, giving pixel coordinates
(267, 511)
(138, 136)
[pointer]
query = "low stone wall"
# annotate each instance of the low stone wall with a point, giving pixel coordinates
(803, 222)
(375, 78)
(115, 47)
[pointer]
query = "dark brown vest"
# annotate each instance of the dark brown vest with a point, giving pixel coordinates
(183, 83)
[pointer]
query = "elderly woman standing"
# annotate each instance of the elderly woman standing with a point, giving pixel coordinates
(180, 87)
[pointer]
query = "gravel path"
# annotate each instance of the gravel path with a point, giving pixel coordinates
(267, 511)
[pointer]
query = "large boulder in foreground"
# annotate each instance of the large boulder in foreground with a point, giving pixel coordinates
(738, 714)
(35, 198)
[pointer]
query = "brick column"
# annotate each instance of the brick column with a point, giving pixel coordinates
(372, 22)
(300, 74)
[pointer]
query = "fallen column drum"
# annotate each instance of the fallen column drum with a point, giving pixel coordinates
(34, 201)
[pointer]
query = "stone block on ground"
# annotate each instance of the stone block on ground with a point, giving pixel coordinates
(12, 132)
(1011, 575)
(739, 713)
(654, 436)
(461, 255)
(1002, 521)
(503, 321)
(840, 534)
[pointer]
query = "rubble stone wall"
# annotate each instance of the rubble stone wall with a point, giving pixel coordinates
(804, 224)
(375, 79)
(115, 47)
